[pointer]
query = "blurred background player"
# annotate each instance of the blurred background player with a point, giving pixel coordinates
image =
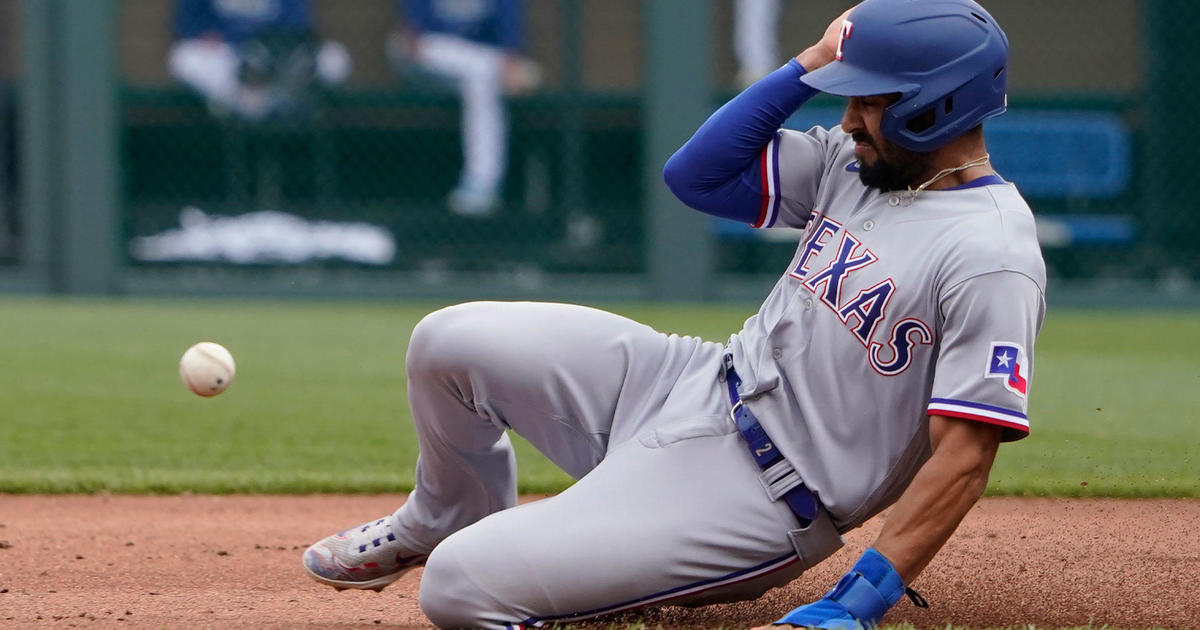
(755, 40)
(8, 172)
(475, 46)
(253, 58)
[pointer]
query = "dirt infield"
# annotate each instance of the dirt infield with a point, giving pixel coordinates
(233, 561)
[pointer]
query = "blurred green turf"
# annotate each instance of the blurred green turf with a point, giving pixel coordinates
(90, 399)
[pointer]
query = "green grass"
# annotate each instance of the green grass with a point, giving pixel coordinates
(1115, 408)
(90, 399)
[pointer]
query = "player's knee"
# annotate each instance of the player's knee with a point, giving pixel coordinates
(444, 338)
(449, 597)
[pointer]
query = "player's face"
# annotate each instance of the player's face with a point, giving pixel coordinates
(881, 164)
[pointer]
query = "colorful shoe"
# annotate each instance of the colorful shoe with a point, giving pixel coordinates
(366, 557)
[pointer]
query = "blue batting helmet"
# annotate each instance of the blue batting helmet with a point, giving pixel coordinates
(948, 60)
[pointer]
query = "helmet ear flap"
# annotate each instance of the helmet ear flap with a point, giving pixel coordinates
(909, 130)
(957, 112)
(923, 121)
(930, 116)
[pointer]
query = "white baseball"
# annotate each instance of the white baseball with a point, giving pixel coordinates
(207, 368)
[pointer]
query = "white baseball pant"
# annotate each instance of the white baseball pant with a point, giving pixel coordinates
(477, 70)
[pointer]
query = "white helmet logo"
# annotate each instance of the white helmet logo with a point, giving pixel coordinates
(847, 28)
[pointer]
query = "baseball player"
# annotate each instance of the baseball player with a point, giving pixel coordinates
(252, 57)
(476, 45)
(755, 41)
(887, 364)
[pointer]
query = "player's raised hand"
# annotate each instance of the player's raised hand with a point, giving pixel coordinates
(825, 50)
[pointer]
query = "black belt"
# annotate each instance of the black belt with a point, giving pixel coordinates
(800, 499)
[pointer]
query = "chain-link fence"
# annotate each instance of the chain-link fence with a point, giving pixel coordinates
(374, 135)
(516, 146)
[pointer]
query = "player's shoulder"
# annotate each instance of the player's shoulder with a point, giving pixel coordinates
(833, 138)
(996, 232)
(836, 146)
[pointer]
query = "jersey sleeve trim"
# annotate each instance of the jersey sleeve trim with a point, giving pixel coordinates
(991, 414)
(768, 210)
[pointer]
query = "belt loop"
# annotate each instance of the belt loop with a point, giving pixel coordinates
(778, 477)
(732, 381)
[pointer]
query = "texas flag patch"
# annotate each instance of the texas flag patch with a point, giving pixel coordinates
(1008, 361)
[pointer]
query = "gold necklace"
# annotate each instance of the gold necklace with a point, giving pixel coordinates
(979, 161)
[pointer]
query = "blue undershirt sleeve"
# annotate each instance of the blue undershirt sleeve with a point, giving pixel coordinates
(718, 171)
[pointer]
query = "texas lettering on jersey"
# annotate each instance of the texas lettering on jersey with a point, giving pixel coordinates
(864, 312)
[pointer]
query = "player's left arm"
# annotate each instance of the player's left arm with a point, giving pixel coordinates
(919, 524)
(943, 491)
(978, 400)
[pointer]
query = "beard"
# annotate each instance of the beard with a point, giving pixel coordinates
(895, 168)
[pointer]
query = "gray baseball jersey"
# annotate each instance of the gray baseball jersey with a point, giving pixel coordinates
(894, 307)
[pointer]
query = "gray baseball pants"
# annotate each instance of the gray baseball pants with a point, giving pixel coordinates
(668, 506)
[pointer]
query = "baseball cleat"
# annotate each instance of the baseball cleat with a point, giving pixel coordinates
(363, 557)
